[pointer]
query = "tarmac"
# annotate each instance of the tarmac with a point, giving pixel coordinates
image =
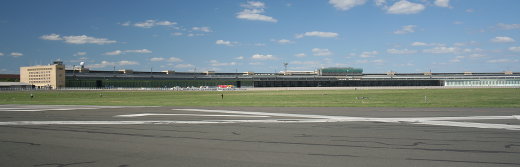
(68, 135)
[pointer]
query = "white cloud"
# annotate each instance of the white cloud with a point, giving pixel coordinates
(283, 41)
(432, 44)
(318, 34)
(138, 51)
(253, 10)
(300, 55)
(405, 7)
(165, 23)
(174, 60)
(502, 61)
(156, 59)
(51, 37)
(380, 2)
(239, 58)
(125, 62)
(400, 52)
(514, 48)
(442, 50)
(203, 29)
(378, 61)
(502, 40)
(80, 54)
(216, 63)
(81, 39)
(321, 52)
(151, 23)
(368, 54)
(126, 24)
(16, 54)
(195, 35)
(104, 64)
(119, 52)
(469, 10)
(459, 44)
(227, 43)
(253, 4)
(508, 26)
(263, 57)
(113, 53)
(145, 24)
(419, 44)
(1, 54)
(346, 4)
(406, 29)
(457, 59)
(184, 66)
(177, 34)
(442, 3)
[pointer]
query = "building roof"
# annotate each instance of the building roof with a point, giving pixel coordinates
(10, 76)
(14, 84)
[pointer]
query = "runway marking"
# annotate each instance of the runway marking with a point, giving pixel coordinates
(265, 113)
(153, 122)
(301, 118)
(471, 125)
(27, 110)
(199, 115)
(34, 108)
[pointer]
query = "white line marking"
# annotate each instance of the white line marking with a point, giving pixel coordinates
(21, 110)
(438, 121)
(155, 122)
(65, 109)
(269, 114)
(198, 115)
(471, 125)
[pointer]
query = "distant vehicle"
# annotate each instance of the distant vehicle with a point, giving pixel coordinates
(225, 86)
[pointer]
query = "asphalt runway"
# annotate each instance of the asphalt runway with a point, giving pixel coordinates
(119, 136)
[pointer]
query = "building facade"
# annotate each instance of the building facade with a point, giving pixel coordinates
(44, 76)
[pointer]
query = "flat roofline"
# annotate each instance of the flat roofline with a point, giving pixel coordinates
(281, 73)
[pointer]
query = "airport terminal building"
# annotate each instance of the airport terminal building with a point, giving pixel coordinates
(325, 77)
(50, 76)
(55, 76)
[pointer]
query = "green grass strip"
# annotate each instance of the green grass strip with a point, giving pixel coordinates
(482, 98)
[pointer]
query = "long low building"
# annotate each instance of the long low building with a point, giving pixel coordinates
(129, 78)
(55, 76)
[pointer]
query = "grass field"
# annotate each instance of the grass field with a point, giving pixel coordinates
(509, 98)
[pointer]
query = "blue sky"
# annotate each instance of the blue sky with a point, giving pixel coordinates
(404, 36)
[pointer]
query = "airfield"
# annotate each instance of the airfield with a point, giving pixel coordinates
(90, 135)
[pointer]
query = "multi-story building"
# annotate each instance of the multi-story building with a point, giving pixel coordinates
(44, 76)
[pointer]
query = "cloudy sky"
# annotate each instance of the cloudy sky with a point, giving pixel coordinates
(238, 35)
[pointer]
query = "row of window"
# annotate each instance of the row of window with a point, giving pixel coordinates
(483, 83)
(39, 81)
(40, 72)
(44, 75)
(45, 78)
(39, 69)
